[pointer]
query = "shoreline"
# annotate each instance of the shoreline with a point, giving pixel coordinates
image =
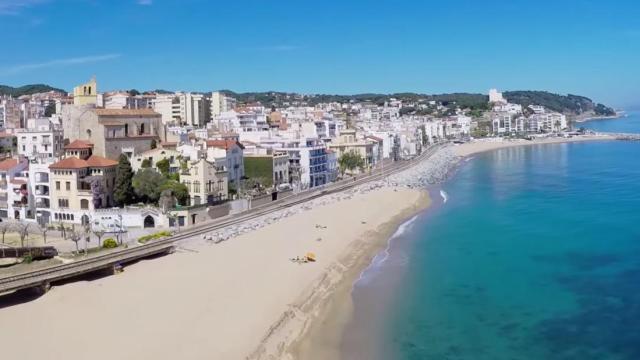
(484, 145)
(322, 340)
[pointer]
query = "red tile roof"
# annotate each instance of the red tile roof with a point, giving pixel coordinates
(224, 144)
(8, 164)
(79, 144)
(4, 134)
(75, 163)
(99, 161)
(126, 112)
(69, 163)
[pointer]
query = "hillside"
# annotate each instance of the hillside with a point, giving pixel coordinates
(568, 104)
(27, 90)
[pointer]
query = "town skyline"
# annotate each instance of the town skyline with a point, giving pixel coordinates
(310, 49)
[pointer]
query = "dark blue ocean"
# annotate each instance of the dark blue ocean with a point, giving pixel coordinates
(534, 255)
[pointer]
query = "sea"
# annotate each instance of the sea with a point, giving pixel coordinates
(527, 253)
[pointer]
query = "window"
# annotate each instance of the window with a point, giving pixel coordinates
(57, 185)
(84, 204)
(196, 186)
(68, 185)
(63, 203)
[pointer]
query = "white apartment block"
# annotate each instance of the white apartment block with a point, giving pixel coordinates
(42, 139)
(496, 97)
(221, 103)
(183, 108)
(123, 100)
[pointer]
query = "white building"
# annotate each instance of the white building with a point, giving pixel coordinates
(123, 100)
(42, 139)
(221, 103)
(230, 154)
(183, 108)
(496, 97)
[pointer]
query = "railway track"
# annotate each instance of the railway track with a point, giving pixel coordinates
(43, 277)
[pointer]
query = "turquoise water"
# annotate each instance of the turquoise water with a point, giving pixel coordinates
(628, 124)
(535, 255)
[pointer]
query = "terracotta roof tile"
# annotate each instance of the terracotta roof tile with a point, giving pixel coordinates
(223, 144)
(79, 144)
(99, 161)
(8, 164)
(69, 163)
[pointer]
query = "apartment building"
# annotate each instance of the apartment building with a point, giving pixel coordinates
(221, 103)
(15, 195)
(123, 100)
(42, 139)
(81, 183)
(183, 108)
(230, 154)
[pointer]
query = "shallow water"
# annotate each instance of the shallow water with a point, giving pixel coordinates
(535, 255)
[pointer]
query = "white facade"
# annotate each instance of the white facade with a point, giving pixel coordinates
(496, 97)
(183, 108)
(221, 103)
(42, 140)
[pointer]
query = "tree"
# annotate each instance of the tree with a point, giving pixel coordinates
(178, 190)
(147, 185)
(163, 166)
(146, 163)
(134, 92)
(153, 144)
(4, 227)
(99, 234)
(350, 161)
(23, 231)
(75, 237)
(44, 229)
(123, 193)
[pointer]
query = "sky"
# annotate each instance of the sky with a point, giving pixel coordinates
(584, 47)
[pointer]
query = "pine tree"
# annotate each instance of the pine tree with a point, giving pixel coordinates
(123, 193)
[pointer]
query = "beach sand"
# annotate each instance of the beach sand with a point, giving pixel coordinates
(483, 145)
(239, 299)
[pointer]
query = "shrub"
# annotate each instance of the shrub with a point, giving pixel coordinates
(109, 243)
(158, 235)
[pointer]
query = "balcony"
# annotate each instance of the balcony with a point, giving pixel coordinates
(42, 190)
(42, 178)
(42, 204)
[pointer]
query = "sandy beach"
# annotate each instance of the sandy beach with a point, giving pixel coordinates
(483, 145)
(242, 298)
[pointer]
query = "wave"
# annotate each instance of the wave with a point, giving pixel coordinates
(383, 256)
(445, 196)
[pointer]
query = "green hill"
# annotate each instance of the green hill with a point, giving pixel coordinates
(27, 90)
(568, 104)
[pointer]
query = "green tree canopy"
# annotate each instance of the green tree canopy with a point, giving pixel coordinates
(146, 184)
(350, 161)
(163, 165)
(123, 193)
(146, 163)
(178, 190)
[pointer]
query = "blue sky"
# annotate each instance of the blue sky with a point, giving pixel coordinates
(584, 47)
